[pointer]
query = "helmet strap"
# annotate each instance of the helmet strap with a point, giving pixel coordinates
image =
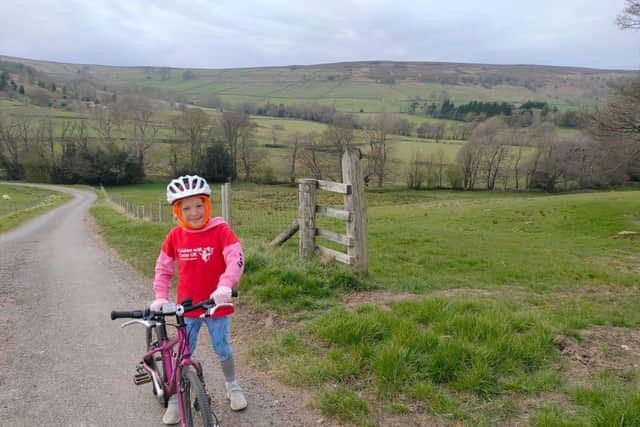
(184, 224)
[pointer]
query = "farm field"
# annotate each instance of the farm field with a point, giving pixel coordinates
(475, 311)
(23, 203)
(375, 86)
(268, 130)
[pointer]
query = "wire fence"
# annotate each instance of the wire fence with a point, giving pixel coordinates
(251, 217)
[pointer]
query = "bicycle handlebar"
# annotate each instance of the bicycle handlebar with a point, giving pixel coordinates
(143, 314)
(136, 314)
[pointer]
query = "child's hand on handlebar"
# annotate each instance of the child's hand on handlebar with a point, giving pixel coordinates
(156, 304)
(221, 295)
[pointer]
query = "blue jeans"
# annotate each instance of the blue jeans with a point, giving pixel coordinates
(218, 331)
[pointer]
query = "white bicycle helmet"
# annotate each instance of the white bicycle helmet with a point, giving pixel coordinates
(187, 186)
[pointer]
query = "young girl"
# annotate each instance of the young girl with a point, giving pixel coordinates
(210, 263)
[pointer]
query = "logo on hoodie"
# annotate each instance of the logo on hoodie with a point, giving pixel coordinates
(192, 254)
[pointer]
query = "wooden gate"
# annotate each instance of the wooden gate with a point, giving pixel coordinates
(354, 214)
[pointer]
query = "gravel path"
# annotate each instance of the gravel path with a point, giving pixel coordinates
(65, 363)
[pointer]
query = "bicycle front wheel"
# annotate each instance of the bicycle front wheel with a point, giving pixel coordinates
(156, 363)
(195, 402)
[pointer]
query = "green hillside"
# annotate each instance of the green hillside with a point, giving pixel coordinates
(374, 86)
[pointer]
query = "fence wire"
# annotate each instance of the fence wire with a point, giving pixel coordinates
(255, 218)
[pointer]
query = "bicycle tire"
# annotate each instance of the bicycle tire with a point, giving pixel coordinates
(156, 364)
(193, 396)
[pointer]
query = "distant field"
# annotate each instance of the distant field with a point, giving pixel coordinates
(374, 86)
(275, 160)
(19, 203)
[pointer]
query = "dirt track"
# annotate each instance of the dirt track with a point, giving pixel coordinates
(65, 363)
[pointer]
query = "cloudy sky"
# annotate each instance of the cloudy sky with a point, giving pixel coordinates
(246, 33)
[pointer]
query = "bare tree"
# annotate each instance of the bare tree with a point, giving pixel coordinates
(340, 135)
(416, 174)
(538, 136)
(294, 143)
(144, 129)
(486, 150)
(441, 165)
(312, 146)
(195, 124)
(517, 158)
(377, 130)
(630, 16)
(10, 151)
(103, 124)
(233, 125)
(468, 159)
(618, 123)
(248, 155)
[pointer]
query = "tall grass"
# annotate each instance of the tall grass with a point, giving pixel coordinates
(608, 402)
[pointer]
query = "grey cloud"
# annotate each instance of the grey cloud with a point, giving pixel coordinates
(224, 33)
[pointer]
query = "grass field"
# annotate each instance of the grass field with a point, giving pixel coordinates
(456, 321)
(24, 203)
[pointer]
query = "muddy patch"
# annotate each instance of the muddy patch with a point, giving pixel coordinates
(600, 348)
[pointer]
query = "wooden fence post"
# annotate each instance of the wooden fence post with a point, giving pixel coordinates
(356, 203)
(225, 192)
(307, 216)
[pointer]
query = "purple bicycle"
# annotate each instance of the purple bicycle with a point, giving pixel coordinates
(168, 364)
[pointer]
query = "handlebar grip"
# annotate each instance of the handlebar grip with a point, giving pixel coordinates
(135, 314)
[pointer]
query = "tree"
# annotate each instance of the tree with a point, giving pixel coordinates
(312, 147)
(10, 151)
(630, 16)
(4, 78)
(196, 126)
(377, 130)
(217, 164)
(618, 125)
(103, 125)
(416, 174)
(294, 143)
(233, 125)
(340, 135)
(144, 129)
(247, 152)
(540, 137)
(485, 151)
(189, 75)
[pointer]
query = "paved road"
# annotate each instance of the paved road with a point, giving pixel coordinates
(65, 363)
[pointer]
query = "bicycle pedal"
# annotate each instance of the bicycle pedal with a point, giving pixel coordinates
(141, 378)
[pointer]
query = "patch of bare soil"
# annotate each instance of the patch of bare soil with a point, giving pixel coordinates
(375, 297)
(384, 297)
(602, 347)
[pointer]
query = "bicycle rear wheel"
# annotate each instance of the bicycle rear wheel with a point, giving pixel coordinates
(195, 402)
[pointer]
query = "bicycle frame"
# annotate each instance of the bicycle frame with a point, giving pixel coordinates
(172, 360)
(176, 354)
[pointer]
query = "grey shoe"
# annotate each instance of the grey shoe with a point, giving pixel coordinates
(235, 396)
(171, 415)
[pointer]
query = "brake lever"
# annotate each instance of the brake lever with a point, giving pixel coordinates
(212, 310)
(146, 323)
